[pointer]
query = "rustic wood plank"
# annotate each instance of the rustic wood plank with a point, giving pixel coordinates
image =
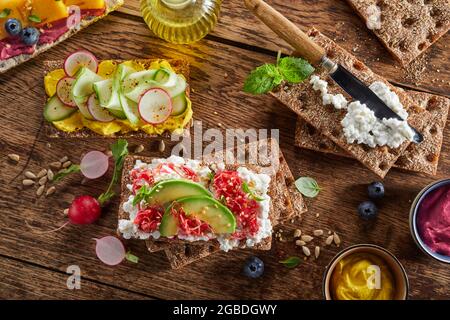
(23, 281)
(220, 276)
(338, 21)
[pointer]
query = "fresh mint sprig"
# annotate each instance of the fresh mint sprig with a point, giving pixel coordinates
(266, 77)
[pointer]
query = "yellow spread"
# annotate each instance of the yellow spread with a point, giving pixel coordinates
(107, 68)
(355, 278)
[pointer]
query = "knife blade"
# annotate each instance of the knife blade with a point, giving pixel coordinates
(359, 91)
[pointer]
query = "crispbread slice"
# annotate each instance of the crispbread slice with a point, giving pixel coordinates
(408, 27)
(307, 103)
(179, 65)
(5, 65)
(184, 254)
(423, 157)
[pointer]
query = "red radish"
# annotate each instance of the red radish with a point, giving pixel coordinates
(84, 210)
(110, 250)
(76, 60)
(63, 91)
(97, 112)
(94, 164)
(155, 106)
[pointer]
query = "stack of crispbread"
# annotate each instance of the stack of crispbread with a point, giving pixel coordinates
(287, 203)
(326, 120)
(407, 27)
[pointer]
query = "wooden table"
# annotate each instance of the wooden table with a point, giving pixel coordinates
(33, 266)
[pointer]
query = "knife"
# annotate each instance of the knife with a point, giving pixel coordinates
(315, 54)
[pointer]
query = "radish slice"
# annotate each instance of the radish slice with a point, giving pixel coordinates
(110, 250)
(64, 91)
(94, 164)
(155, 106)
(79, 59)
(97, 112)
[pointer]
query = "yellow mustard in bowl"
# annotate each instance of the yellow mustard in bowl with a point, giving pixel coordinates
(362, 276)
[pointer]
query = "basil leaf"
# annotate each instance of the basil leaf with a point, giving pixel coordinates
(34, 18)
(263, 79)
(307, 187)
(131, 257)
(5, 12)
(142, 194)
(295, 70)
(291, 262)
(64, 173)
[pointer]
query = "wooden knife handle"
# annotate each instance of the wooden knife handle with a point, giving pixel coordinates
(288, 31)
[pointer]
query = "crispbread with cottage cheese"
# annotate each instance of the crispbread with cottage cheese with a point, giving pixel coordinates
(5, 65)
(422, 158)
(180, 66)
(406, 27)
(307, 103)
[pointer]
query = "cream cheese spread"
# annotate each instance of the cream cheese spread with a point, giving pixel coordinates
(373, 17)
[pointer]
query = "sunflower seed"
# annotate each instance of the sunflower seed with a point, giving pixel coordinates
(64, 159)
(28, 182)
(66, 164)
(161, 146)
(297, 233)
(300, 242)
(336, 239)
(14, 157)
(306, 238)
(55, 165)
(50, 191)
(317, 252)
(66, 212)
(50, 175)
(41, 173)
(318, 232)
(43, 180)
(139, 149)
(306, 251)
(40, 191)
(30, 175)
(329, 240)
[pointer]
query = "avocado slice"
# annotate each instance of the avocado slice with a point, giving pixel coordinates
(205, 208)
(166, 191)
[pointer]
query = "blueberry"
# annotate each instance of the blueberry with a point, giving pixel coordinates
(376, 190)
(13, 27)
(30, 36)
(367, 210)
(254, 267)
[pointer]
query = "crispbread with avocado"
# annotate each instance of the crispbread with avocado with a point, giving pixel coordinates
(307, 103)
(5, 65)
(180, 66)
(422, 158)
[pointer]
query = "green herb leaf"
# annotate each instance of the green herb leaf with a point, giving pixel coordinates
(307, 187)
(34, 18)
(295, 70)
(211, 176)
(252, 195)
(131, 257)
(5, 12)
(142, 194)
(291, 262)
(64, 173)
(263, 79)
(119, 151)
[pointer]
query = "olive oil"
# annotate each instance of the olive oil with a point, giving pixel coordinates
(181, 21)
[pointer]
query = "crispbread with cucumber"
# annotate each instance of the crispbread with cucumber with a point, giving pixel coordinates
(422, 158)
(30, 27)
(112, 98)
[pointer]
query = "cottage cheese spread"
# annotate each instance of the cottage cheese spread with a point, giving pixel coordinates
(360, 124)
(373, 17)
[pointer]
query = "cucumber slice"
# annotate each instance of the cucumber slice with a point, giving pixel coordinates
(82, 106)
(119, 114)
(130, 109)
(178, 88)
(136, 93)
(179, 105)
(55, 110)
(165, 78)
(82, 86)
(135, 79)
(107, 98)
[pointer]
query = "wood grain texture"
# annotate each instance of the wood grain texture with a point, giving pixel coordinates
(216, 83)
(337, 20)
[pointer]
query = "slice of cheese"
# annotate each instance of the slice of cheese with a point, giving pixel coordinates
(18, 12)
(86, 4)
(49, 10)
